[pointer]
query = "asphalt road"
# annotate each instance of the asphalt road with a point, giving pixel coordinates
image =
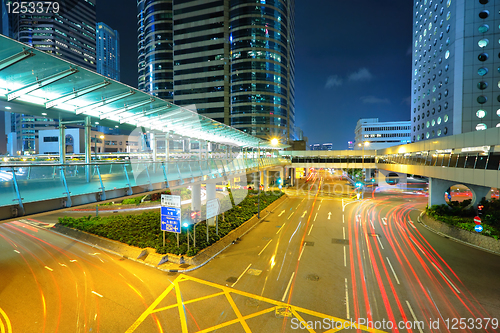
(320, 256)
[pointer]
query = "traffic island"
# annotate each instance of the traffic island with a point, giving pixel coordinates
(138, 237)
(470, 238)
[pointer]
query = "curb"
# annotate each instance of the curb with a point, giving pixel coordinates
(453, 238)
(156, 266)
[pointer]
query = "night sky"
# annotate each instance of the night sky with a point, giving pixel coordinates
(353, 60)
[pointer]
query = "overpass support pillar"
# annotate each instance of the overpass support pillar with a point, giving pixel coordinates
(282, 175)
(210, 191)
(153, 145)
(293, 174)
(196, 197)
(437, 188)
(265, 180)
(88, 155)
(62, 143)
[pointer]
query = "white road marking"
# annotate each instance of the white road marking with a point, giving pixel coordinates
(310, 230)
(411, 223)
(17, 251)
(329, 215)
(315, 216)
(343, 231)
(304, 214)
(343, 204)
(265, 247)
(384, 221)
(139, 278)
(93, 254)
(358, 218)
(446, 278)
(280, 229)
(371, 222)
(287, 287)
(343, 219)
(345, 258)
(392, 269)
(303, 247)
(93, 292)
(74, 260)
(50, 269)
(63, 265)
(347, 300)
(378, 238)
(319, 206)
(290, 215)
(414, 317)
(239, 277)
(281, 213)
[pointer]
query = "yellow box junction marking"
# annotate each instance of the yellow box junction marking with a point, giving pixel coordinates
(280, 308)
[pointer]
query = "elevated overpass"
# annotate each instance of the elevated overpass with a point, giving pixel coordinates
(471, 159)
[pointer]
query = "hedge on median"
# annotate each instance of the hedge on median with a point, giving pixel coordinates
(144, 230)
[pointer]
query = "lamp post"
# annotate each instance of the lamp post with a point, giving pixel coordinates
(95, 144)
(274, 142)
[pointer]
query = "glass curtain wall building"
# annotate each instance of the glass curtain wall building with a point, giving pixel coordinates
(108, 51)
(232, 60)
(456, 71)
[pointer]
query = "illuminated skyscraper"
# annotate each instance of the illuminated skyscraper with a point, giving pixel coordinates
(455, 74)
(234, 60)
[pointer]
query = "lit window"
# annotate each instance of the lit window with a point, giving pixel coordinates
(439, 132)
(483, 42)
(481, 127)
(498, 125)
(448, 3)
(427, 124)
(445, 118)
(482, 71)
(448, 16)
(481, 113)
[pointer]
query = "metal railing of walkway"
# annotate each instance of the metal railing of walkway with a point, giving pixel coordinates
(34, 188)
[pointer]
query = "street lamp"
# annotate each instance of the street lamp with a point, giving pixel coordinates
(95, 144)
(274, 142)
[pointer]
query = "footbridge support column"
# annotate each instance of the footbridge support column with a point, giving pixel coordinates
(437, 188)
(196, 197)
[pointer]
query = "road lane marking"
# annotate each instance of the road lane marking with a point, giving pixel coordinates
(303, 247)
(345, 258)
(343, 219)
(290, 215)
(63, 265)
(239, 277)
(74, 260)
(343, 204)
(50, 269)
(310, 230)
(93, 292)
(315, 217)
(280, 229)
(371, 222)
(329, 215)
(343, 231)
(304, 214)
(384, 220)
(414, 317)
(378, 238)
(281, 213)
(347, 299)
(287, 287)
(446, 278)
(319, 206)
(392, 269)
(17, 251)
(265, 247)
(411, 223)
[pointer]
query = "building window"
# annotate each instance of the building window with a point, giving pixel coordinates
(484, 14)
(482, 71)
(483, 42)
(481, 127)
(484, 28)
(482, 99)
(51, 139)
(481, 113)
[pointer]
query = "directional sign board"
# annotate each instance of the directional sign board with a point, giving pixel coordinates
(477, 220)
(170, 213)
(212, 208)
(478, 228)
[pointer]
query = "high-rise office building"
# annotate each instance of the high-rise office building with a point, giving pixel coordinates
(372, 134)
(65, 29)
(108, 51)
(233, 59)
(455, 75)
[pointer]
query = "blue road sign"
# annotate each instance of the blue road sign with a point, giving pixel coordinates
(170, 218)
(449, 196)
(478, 228)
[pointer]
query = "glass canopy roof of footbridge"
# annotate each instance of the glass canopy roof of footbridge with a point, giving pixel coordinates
(37, 83)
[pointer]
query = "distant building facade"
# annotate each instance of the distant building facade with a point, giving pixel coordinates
(108, 51)
(321, 146)
(373, 134)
